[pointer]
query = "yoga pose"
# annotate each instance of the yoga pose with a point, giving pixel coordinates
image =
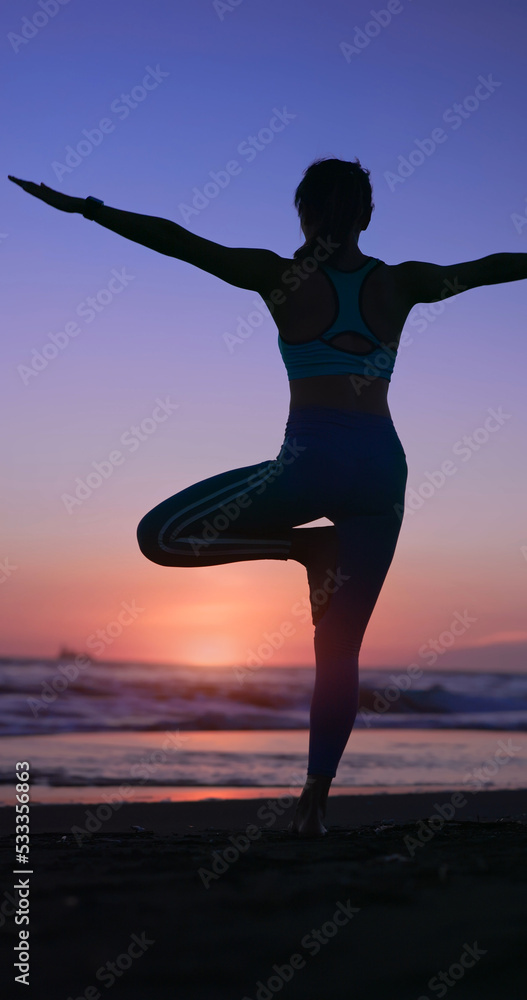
(339, 316)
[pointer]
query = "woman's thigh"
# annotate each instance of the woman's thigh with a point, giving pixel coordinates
(316, 474)
(254, 500)
(365, 471)
(366, 547)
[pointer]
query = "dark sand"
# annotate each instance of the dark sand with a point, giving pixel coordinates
(408, 912)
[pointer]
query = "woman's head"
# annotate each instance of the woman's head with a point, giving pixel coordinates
(333, 199)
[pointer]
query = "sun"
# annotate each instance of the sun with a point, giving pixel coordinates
(209, 651)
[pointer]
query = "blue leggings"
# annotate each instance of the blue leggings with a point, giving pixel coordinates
(347, 466)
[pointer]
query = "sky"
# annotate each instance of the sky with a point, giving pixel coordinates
(199, 80)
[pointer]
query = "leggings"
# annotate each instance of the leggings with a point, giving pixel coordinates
(344, 465)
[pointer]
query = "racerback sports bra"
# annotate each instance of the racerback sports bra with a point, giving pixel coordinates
(319, 356)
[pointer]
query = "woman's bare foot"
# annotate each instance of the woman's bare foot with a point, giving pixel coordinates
(311, 808)
(316, 549)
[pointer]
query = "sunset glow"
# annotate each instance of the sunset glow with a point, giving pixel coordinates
(69, 568)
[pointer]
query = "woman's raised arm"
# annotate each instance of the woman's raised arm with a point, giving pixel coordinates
(149, 230)
(247, 267)
(424, 282)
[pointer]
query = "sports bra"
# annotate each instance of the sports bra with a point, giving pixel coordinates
(319, 356)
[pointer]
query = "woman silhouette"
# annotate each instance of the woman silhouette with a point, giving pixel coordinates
(339, 316)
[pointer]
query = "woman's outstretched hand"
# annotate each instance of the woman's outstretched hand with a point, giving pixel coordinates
(56, 199)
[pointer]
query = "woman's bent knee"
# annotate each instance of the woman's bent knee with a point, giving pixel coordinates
(147, 539)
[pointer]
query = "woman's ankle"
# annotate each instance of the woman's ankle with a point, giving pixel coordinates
(317, 787)
(320, 780)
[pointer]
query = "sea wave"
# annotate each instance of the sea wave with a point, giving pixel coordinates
(36, 697)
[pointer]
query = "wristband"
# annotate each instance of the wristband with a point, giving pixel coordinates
(90, 207)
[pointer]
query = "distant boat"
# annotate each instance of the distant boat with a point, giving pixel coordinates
(67, 655)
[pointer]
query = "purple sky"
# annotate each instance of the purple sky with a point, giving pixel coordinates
(204, 80)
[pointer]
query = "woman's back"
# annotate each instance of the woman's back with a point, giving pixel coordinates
(312, 307)
(387, 295)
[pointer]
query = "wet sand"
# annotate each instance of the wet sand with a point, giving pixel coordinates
(213, 900)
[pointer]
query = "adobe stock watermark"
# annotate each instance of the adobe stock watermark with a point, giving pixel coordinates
(246, 325)
(95, 817)
(520, 221)
(454, 116)
(6, 570)
(363, 36)
(111, 971)
(249, 149)
(479, 776)
(223, 7)
(275, 640)
(465, 448)
(445, 811)
(312, 942)
(229, 511)
(425, 313)
(293, 276)
(240, 843)
(98, 641)
(32, 25)
(121, 106)
(440, 983)
(420, 316)
(9, 907)
(131, 439)
(86, 310)
(430, 651)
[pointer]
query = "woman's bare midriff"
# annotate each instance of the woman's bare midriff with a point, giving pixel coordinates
(336, 391)
(311, 309)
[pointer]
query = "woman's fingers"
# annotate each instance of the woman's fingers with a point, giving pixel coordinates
(30, 185)
(27, 185)
(39, 190)
(63, 202)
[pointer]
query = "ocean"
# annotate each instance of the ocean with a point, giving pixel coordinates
(168, 732)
